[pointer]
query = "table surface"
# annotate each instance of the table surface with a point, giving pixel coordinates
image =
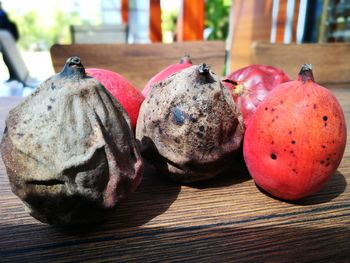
(225, 219)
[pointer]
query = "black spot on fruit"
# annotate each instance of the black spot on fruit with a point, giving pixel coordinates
(178, 116)
(201, 128)
(325, 118)
(293, 142)
(273, 156)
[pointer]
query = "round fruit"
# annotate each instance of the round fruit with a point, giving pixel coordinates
(189, 126)
(251, 84)
(126, 94)
(184, 62)
(296, 138)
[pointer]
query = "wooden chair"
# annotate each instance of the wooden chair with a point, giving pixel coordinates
(139, 62)
(260, 33)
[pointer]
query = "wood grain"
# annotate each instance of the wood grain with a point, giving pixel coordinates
(331, 61)
(227, 219)
(139, 62)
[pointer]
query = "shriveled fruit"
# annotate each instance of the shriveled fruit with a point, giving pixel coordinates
(69, 151)
(184, 62)
(251, 84)
(127, 95)
(296, 138)
(189, 126)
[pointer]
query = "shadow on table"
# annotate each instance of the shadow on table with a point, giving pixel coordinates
(228, 242)
(332, 189)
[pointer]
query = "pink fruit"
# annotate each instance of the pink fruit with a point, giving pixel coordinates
(296, 139)
(251, 84)
(127, 95)
(184, 62)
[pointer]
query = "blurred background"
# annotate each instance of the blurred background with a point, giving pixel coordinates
(41, 24)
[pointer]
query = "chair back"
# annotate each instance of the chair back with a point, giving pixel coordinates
(139, 62)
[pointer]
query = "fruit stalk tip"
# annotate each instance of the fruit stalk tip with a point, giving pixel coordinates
(203, 69)
(305, 73)
(73, 66)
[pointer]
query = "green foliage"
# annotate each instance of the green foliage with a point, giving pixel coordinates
(217, 18)
(35, 35)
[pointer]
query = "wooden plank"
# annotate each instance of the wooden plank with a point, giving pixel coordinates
(251, 22)
(226, 219)
(190, 25)
(331, 61)
(139, 62)
(155, 27)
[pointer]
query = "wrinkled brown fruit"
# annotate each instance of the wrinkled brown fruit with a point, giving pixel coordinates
(189, 126)
(69, 151)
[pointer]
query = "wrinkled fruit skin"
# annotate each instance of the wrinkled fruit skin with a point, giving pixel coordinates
(69, 151)
(127, 95)
(295, 140)
(184, 62)
(189, 126)
(252, 84)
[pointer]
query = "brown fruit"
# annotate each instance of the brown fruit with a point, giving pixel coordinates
(69, 150)
(189, 126)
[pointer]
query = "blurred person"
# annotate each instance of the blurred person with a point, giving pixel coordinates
(11, 27)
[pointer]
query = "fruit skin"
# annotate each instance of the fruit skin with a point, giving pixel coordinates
(296, 139)
(184, 62)
(251, 84)
(69, 151)
(127, 95)
(189, 126)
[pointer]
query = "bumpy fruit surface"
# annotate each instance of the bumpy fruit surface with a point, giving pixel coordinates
(296, 138)
(189, 126)
(69, 150)
(251, 84)
(184, 62)
(127, 95)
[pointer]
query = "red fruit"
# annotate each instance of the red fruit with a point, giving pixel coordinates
(296, 139)
(250, 85)
(127, 95)
(184, 62)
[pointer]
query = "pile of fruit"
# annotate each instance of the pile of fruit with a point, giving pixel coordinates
(73, 148)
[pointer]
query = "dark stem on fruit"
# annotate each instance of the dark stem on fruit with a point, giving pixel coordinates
(204, 73)
(204, 69)
(185, 59)
(305, 73)
(73, 67)
(233, 83)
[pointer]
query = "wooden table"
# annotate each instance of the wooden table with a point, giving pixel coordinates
(224, 220)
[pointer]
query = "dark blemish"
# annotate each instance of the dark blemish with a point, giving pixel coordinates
(178, 116)
(273, 120)
(53, 86)
(273, 142)
(322, 162)
(49, 107)
(157, 103)
(273, 156)
(266, 108)
(20, 134)
(295, 171)
(291, 152)
(293, 142)
(325, 124)
(333, 141)
(200, 135)
(315, 106)
(187, 90)
(323, 146)
(284, 149)
(290, 132)
(217, 96)
(194, 97)
(177, 140)
(52, 100)
(151, 96)
(327, 164)
(325, 118)
(201, 128)
(327, 159)
(272, 109)
(5, 131)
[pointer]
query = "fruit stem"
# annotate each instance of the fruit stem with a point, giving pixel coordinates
(305, 73)
(185, 59)
(238, 90)
(73, 67)
(203, 69)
